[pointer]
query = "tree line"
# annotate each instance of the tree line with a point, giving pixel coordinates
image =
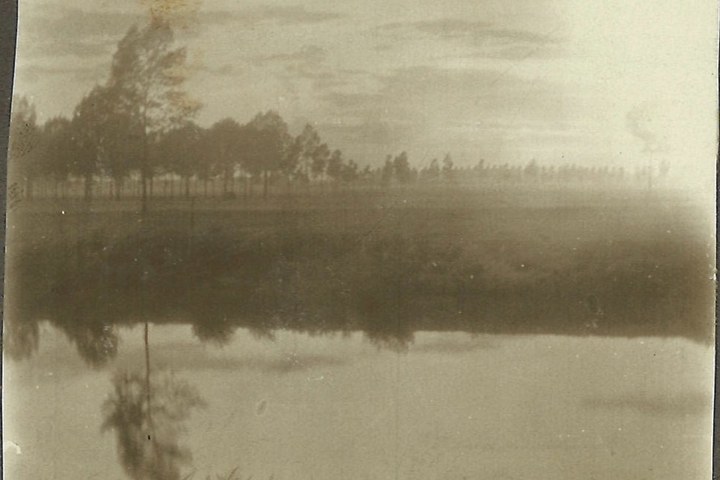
(98, 144)
(140, 125)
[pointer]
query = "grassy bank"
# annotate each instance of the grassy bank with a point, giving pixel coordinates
(389, 264)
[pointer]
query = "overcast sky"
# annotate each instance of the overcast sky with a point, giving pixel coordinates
(505, 80)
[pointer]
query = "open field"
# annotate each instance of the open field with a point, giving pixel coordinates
(385, 262)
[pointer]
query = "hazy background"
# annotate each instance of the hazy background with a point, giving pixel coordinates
(559, 81)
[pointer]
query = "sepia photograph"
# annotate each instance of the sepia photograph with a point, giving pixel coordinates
(381, 239)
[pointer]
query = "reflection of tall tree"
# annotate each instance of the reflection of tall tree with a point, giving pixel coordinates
(96, 339)
(148, 434)
(20, 338)
(216, 329)
(148, 391)
(96, 342)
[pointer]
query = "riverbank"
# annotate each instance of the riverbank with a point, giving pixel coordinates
(388, 265)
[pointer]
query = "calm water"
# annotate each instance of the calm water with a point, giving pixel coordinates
(293, 406)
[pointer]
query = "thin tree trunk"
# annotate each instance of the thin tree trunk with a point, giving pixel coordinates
(226, 182)
(192, 224)
(147, 382)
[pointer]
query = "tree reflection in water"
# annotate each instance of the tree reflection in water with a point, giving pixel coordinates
(148, 414)
(97, 343)
(20, 339)
(387, 286)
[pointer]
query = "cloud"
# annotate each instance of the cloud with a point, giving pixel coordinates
(97, 47)
(32, 73)
(66, 23)
(55, 29)
(486, 38)
(376, 133)
(284, 15)
(479, 31)
(310, 55)
(352, 102)
(447, 96)
(519, 52)
(53, 32)
(307, 63)
(430, 110)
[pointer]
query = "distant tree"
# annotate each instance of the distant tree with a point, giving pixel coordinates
(224, 146)
(448, 167)
(304, 148)
(56, 150)
(320, 159)
(121, 142)
(367, 173)
(147, 74)
(414, 174)
(292, 164)
(180, 149)
(335, 165)
(267, 146)
(88, 137)
(531, 169)
(23, 144)
(387, 171)
(104, 139)
(401, 167)
(205, 164)
(350, 171)
(433, 171)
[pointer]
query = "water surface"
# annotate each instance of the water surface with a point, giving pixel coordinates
(290, 405)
